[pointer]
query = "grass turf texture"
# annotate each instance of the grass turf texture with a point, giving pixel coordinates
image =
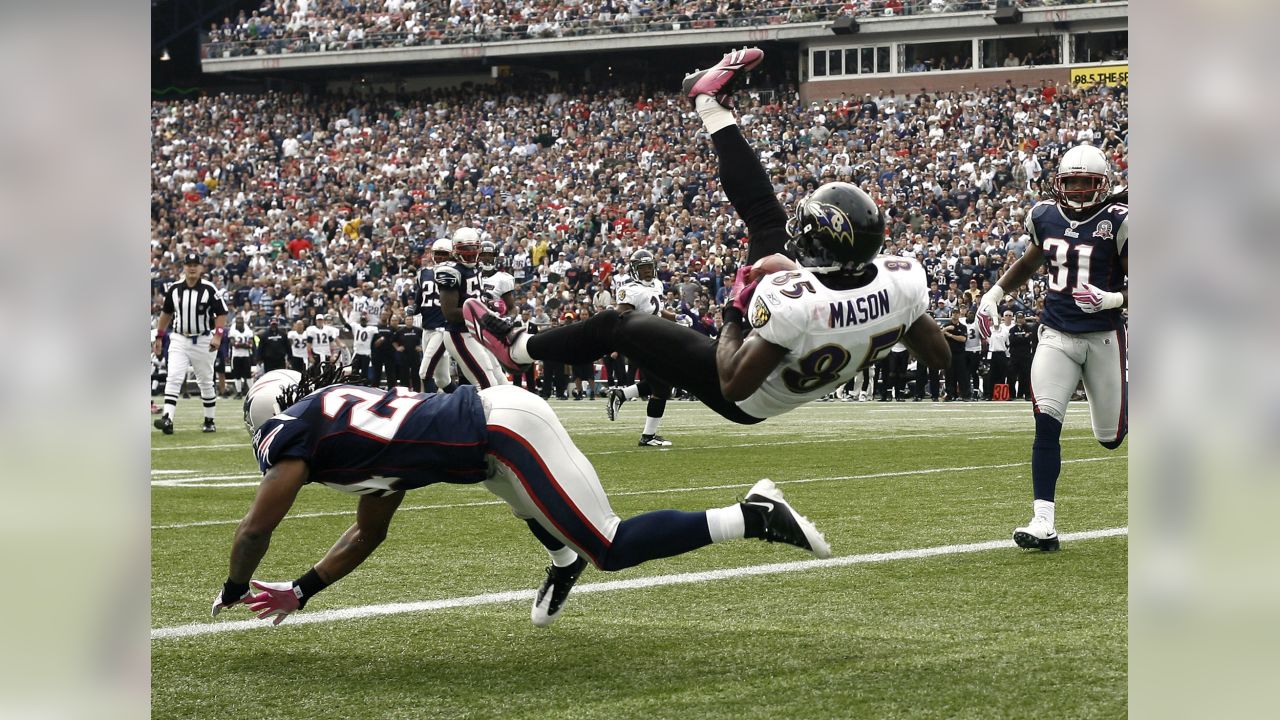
(1000, 633)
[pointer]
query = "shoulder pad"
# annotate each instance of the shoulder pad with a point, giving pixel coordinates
(448, 276)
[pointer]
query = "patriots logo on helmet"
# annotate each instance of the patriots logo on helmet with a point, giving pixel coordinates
(1103, 230)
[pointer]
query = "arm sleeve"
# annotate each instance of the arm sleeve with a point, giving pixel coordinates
(289, 439)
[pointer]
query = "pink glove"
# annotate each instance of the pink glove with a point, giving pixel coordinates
(1092, 299)
(741, 290)
(276, 599)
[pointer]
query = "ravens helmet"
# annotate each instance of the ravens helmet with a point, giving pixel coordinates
(488, 257)
(838, 228)
(643, 265)
(466, 245)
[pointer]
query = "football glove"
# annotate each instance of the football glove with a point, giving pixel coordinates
(230, 594)
(742, 288)
(989, 311)
(1091, 299)
(277, 600)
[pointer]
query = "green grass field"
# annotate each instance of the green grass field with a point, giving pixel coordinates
(987, 632)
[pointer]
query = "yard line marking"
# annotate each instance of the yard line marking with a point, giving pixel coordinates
(172, 472)
(201, 447)
(660, 491)
(367, 611)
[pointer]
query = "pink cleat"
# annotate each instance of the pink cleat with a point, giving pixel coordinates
(493, 331)
(717, 81)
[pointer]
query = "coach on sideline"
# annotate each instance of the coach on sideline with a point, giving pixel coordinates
(198, 315)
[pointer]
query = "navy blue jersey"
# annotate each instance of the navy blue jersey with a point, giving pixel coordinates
(462, 277)
(370, 441)
(1087, 251)
(429, 300)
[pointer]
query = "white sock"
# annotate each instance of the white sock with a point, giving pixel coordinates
(651, 425)
(714, 115)
(520, 349)
(726, 523)
(564, 557)
(1044, 509)
(631, 392)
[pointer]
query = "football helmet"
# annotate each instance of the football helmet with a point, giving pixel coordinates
(837, 228)
(466, 246)
(1083, 179)
(262, 402)
(488, 256)
(442, 250)
(643, 265)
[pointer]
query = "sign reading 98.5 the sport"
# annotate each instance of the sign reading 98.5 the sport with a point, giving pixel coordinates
(1090, 75)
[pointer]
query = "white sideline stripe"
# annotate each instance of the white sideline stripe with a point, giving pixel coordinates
(367, 611)
(660, 491)
(172, 472)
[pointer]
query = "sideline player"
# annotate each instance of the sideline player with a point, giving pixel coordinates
(198, 316)
(457, 281)
(243, 343)
(643, 292)
(434, 370)
(1082, 234)
(379, 443)
(827, 309)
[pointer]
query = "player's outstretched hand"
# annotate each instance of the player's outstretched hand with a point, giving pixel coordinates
(276, 600)
(768, 264)
(230, 594)
(1091, 299)
(989, 311)
(740, 291)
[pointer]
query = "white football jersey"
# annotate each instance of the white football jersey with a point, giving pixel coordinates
(498, 284)
(830, 334)
(241, 342)
(643, 296)
(298, 344)
(320, 337)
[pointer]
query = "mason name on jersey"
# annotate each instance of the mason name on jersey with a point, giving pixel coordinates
(830, 335)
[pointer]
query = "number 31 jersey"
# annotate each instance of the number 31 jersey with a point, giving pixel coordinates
(369, 441)
(830, 335)
(1088, 251)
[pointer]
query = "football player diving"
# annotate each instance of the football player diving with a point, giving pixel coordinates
(814, 306)
(1081, 235)
(378, 444)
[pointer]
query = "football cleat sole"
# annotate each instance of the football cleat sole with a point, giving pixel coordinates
(1028, 541)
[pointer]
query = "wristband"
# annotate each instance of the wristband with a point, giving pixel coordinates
(233, 591)
(162, 334)
(218, 332)
(731, 314)
(309, 584)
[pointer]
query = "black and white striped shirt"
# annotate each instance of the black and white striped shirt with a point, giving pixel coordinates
(193, 308)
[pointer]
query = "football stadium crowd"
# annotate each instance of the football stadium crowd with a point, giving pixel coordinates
(301, 204)
(296, 26)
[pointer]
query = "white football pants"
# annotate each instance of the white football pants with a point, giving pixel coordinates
(1062, 360)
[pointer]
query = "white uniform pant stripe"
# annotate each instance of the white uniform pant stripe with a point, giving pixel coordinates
(475, 361)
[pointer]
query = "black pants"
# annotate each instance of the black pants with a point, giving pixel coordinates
(999, 372)
(974, 363)
(958, 376)
(384, 364)
(360, 366)
(410, 360)
(1020, 372)
(898, 373)
(926, 375)
(554, 377)
(297, 363)
(269, 364)
(680, 356)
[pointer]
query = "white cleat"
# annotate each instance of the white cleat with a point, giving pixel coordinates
(1036, 535)
(782, 523)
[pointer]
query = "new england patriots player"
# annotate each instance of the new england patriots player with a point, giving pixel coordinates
(643, 293)
(378, 444)
(1082, 236)
(818, 314)
(457, 281)
(435, 362)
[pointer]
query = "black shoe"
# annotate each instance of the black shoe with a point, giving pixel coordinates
(781, 522)
(209, 426)
(549, 601)
(653, 441)
(616, 398)
(164, 424)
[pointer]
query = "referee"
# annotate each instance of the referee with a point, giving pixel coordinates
(198, 316)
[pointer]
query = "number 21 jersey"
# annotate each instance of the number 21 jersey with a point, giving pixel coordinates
(830, 334)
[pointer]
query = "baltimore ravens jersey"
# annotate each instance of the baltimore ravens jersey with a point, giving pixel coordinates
(1078, 252)
(369, 441)
(498, 284)
(645, 296)
(830, 335)
(429, 300)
